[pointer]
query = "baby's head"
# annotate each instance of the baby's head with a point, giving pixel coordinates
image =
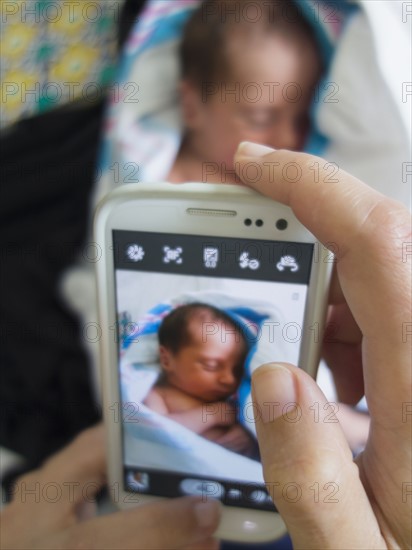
(202, 351)
(249, 70)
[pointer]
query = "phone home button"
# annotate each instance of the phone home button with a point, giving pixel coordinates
(202, 487)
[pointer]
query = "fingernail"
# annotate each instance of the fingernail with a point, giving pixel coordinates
(249, 149)
(207, 513)
(274, 391)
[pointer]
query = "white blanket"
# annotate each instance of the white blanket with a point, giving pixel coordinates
(157, 442)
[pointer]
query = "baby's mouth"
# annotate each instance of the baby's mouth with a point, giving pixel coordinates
(224, 393)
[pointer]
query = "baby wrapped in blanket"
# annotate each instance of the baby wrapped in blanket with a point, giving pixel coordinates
(202, 354)
(179, 389)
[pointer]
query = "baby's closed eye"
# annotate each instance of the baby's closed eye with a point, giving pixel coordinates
(209, 366)
(260, 119)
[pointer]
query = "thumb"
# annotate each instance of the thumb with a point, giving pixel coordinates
(307, 463)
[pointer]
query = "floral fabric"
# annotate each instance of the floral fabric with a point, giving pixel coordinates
(54, 52)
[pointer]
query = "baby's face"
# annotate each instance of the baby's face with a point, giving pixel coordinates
(266, 100)
(210, 367)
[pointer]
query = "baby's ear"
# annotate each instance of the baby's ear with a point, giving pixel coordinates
(164, 357)
(191, 103)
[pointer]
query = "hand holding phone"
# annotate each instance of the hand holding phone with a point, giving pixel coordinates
(370, 234)
(198, 286)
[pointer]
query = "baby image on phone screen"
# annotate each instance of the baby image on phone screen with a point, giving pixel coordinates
(202, 354)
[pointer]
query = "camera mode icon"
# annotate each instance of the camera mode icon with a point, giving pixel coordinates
(288, 262)
(172, 255)
(246, 262)
(210, 257)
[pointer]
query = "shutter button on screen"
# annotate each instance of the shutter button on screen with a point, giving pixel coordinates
(202, 487)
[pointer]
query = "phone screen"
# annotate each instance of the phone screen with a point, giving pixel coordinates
(222, 306)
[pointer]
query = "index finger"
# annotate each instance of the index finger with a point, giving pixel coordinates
(371, 238)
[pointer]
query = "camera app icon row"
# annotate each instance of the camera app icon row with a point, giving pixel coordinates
(135, 252)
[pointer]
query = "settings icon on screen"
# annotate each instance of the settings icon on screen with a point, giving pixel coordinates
(135, 252)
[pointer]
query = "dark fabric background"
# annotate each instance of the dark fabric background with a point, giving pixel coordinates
(46, 174)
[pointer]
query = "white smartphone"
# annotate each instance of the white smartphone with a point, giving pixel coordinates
(249, 285)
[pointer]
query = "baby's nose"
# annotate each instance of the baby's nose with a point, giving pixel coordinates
(227, 378)
(286, 137)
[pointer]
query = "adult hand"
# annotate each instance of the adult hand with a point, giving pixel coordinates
(51, 509)
(331, 501)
